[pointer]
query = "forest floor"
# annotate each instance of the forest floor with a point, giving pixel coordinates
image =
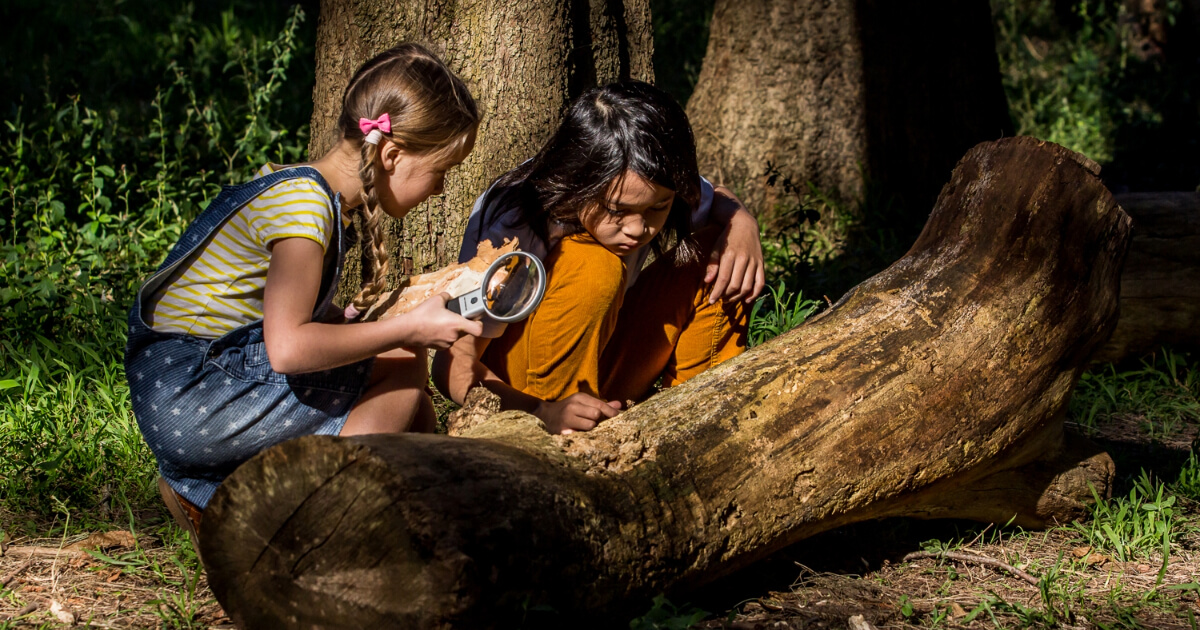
(134, 568)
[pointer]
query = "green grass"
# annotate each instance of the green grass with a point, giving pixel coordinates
(1163, 395)
(1134, 526)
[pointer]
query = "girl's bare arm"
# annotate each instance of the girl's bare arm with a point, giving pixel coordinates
(736, 268)
(296, 344)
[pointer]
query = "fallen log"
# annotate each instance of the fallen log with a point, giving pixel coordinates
(934, 389)
(1160, 284)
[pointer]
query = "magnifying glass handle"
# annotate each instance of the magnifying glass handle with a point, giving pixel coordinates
(469, 305)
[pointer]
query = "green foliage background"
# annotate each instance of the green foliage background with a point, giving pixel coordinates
(122, 119)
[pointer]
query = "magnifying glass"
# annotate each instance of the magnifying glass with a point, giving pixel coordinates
(512, 288)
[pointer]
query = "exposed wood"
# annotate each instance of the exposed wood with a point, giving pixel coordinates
(1160, 284)
(455, 280)
(523, 62)
(934, 389)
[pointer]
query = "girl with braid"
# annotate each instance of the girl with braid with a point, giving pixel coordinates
(235, 344)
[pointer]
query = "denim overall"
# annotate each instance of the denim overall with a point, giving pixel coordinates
(206, 405)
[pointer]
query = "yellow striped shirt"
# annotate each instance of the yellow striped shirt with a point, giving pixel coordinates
(220, 288)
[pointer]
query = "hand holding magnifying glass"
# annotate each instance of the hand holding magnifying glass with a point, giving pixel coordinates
(512, 288)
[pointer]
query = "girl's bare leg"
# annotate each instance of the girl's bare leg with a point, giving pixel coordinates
(395, 400)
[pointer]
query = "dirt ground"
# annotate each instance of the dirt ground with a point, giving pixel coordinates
(855, 577)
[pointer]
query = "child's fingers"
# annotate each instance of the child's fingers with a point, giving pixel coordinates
(746, 288)
(760, 282)
(472, 327)
(580, 418)
(737, 279)
(721, 283)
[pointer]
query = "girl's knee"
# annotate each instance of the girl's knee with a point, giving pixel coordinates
(400, 371)
(587, 269)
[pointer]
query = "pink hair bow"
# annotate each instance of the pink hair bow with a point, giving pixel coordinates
(383, 123)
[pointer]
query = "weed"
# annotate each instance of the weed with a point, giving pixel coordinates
(1163, 395)
(663, 615)
(778, 312)
(1134, 526)
(1188, 483)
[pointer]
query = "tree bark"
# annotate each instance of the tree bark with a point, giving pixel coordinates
(1160, 284)
(934, 389)
(523, 62)
(824, 91)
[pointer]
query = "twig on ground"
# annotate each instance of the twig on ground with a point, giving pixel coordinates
(43, 551)
(27, 610)
(972, 558)
(6, 580)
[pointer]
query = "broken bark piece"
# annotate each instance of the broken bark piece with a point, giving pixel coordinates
(456, 280)
(935, 389)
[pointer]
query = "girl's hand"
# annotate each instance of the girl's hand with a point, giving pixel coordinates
(735, 268)
(577, 412)
(433, 326)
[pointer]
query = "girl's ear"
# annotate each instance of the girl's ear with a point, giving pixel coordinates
(389, 155)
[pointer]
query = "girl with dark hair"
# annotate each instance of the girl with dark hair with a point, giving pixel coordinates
(616, 182)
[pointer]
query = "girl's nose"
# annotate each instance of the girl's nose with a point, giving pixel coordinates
(635, 226)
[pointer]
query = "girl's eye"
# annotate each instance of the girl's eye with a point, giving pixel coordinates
(615, 212)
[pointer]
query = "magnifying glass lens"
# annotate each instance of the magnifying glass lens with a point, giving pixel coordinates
(512, 287)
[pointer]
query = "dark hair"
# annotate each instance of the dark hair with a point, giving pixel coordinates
(608, 130)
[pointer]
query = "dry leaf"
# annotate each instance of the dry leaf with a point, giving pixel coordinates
(62, 614)
(858, 623)
(101, 541)
(1080, 552)
(957, 611)
(1094, 559)
(113, 578)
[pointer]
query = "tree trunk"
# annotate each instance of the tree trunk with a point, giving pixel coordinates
(1160, 284)
(523, 61)
(934, 389)
(824, 90)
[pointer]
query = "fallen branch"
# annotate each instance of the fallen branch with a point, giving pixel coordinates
(6, 580)
(44, 551)
(972, 559)
(29, 609)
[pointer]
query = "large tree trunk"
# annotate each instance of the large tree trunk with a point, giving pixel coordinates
(523, 61)
(823, 90)
(1160, 284)
(935, 389)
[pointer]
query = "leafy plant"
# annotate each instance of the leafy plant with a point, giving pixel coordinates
(778, 312)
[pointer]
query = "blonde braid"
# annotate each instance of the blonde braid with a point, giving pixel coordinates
(373, 285)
